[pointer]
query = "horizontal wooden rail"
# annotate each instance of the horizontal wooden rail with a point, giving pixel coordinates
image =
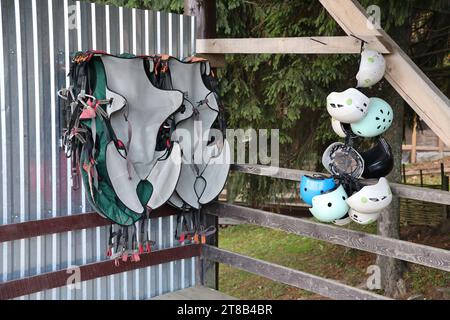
(29, 229)
(400, 190)
(399, 249)
(294, 45)
(409, 147)
(17, 288)
(325, 287)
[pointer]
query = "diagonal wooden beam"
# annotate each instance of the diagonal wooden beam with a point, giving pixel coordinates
(401, 72)
(295, 45)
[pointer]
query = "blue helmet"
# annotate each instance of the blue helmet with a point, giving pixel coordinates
(311, 186)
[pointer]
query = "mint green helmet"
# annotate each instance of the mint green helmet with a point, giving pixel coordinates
(378, 119)
(330, 206)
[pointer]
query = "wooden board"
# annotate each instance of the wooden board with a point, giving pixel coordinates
(195, 293)
(294, 45)
(399, 249)
(401, 72)
(29, 229)
(17, 288)
(325, 287)
(400, 190)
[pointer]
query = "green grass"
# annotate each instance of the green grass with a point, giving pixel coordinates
(308, 255)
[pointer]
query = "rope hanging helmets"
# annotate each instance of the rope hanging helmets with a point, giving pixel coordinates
(354, 115)
(371, 68)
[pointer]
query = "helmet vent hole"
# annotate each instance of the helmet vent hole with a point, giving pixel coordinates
(378, 127)
(377, 118)
(384, 120)
(381, 110)
(365, 104)
(343, 197)
(384, 128)
(389, 112)
(329, 204)
(321, 191)
(390, 120)
(306, 189)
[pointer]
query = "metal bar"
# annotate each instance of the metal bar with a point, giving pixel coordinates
(325, 287)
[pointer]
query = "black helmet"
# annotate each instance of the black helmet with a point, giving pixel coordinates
(378, 161)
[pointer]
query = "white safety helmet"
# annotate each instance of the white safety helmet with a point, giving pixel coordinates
(343, 221)
(363, 218)
(371, 199)
(371, 68)
(337, 128)
(348, 106)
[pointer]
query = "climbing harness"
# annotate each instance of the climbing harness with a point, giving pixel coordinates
(119, 116)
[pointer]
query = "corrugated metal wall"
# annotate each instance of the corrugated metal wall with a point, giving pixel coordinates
(36, 40)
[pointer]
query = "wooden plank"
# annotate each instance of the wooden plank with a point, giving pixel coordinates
(401, 190)
(325, 287)
(195, 293)
(29, 229)
(46, 281)
(440, 148)
(402, 73)
(399, 249)
(414, 141)
(294, 45)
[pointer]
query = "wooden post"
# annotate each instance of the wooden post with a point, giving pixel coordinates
(404, 173)
(205, 13)
(441, 147)
(421, 177)
(414, 141)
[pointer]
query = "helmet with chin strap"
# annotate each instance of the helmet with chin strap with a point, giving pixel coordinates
(378, 161)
